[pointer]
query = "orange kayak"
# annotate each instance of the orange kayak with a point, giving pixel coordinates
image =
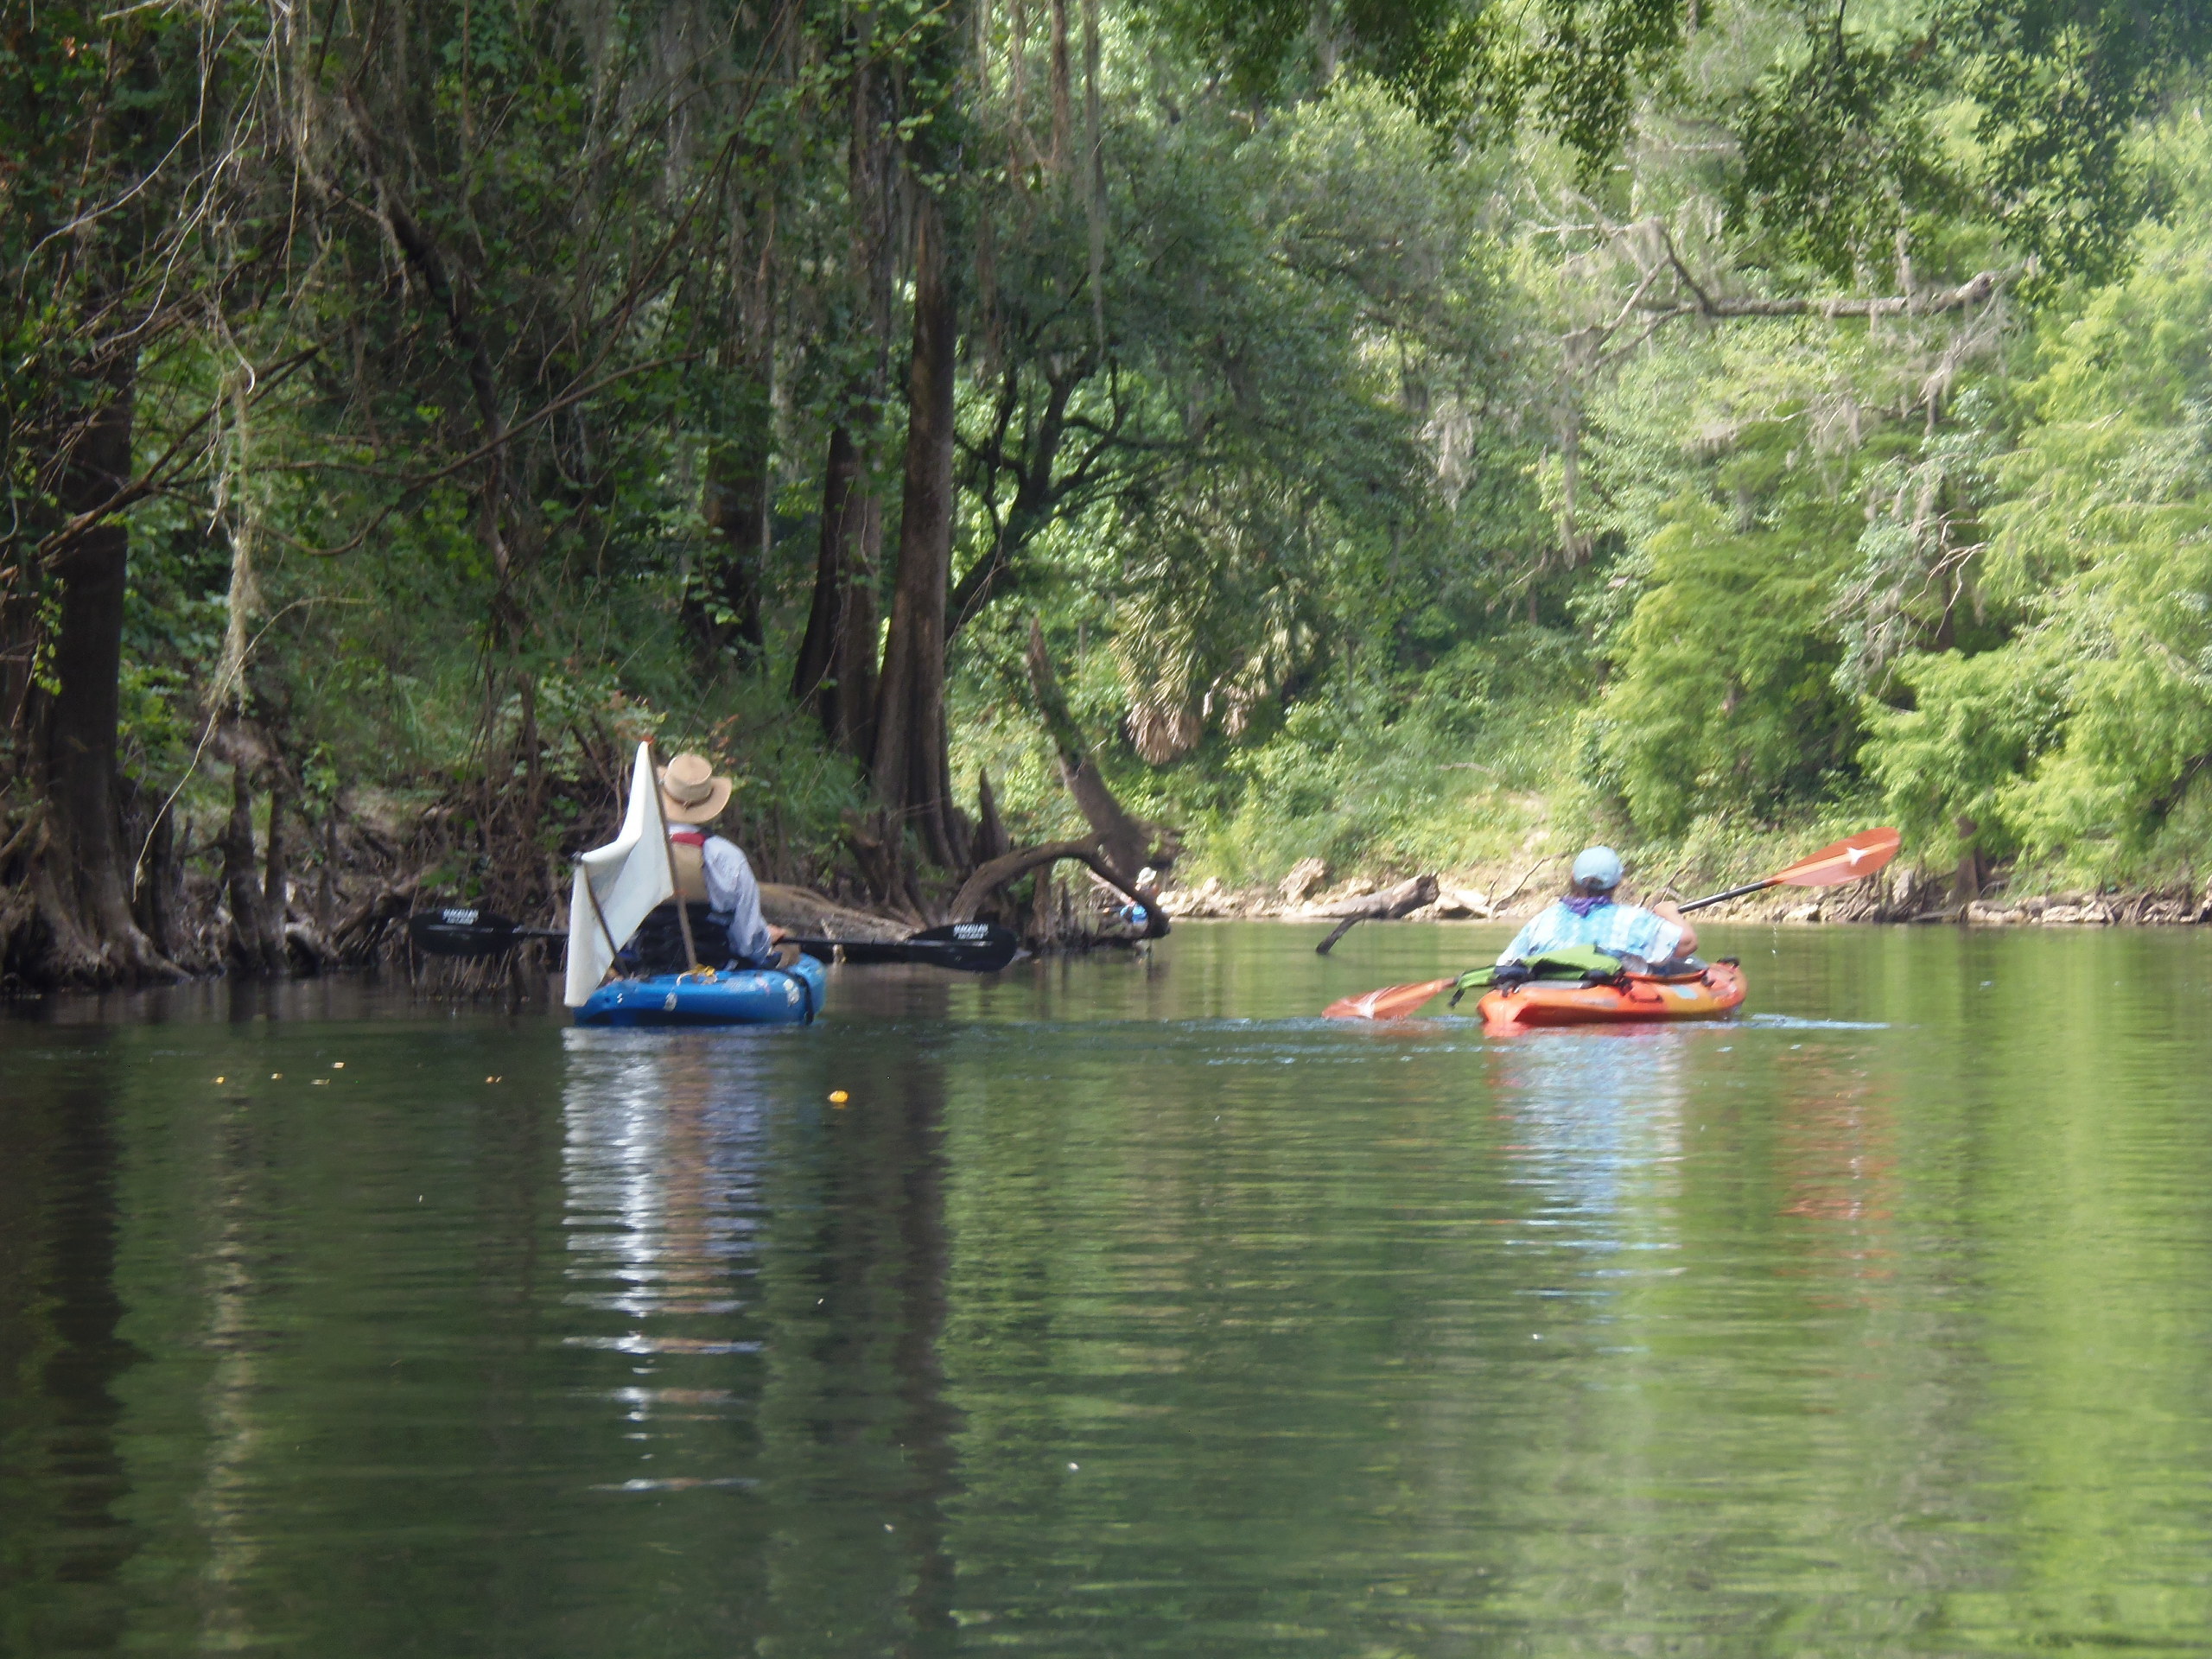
(1703, 996)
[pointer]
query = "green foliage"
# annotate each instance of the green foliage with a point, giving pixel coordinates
(1977, 723)
(1790, 526)
(1435, 770)
(1859, 125)
(1421, 429)
(1575, 66)
(2076, 741)
(1727, 691)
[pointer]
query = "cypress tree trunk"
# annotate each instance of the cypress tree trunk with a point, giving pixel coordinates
(155, 892)
(835, 671)
(912, 765)
(84, 890)
(248, 943)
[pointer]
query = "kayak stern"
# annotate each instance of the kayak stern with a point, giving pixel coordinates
(749, 996)
(1717, 991)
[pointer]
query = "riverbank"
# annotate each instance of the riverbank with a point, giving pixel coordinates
(1502, 894)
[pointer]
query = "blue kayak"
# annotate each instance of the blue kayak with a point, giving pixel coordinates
(749, 996)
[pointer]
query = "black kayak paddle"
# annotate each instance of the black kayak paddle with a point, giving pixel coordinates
(972, 947)
(470, 933)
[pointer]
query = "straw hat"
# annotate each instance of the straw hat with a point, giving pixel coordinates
(690, 789)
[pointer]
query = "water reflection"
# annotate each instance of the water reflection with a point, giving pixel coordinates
(64, 1481)
(1086, 1329)
(769, 1274)
(661, 1160)
(1596, 1117)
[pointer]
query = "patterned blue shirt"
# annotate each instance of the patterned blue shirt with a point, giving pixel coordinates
(1618, 930)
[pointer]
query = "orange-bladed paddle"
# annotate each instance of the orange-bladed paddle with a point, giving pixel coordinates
(1391, 1002)
(1852, 859)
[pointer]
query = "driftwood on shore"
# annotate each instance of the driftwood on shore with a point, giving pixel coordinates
(811, 914)
(1390, 904)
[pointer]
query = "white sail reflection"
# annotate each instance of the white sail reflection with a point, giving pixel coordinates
(662, 1166)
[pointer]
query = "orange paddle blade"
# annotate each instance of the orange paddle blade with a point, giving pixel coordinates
(1391, 1002)
(1847, 861)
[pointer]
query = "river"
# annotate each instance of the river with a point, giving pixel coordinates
(1123, 1307)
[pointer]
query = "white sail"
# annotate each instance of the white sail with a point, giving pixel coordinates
(626, 878)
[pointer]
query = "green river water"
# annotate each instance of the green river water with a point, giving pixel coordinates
(1125, 1308)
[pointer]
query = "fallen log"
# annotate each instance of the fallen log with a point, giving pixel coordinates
(1011, 867)
(1386, 906)
(802, 910)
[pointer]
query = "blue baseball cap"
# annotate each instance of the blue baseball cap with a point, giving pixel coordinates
(1599, 867)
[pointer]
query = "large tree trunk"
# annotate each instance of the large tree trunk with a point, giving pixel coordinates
(836, 672)
(86, 897)
(737, 504)
(911, 766)
(837, 661)
(256, 946)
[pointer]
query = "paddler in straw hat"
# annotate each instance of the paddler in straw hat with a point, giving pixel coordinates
(711, 869)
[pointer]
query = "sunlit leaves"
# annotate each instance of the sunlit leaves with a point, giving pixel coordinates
(2089, 730)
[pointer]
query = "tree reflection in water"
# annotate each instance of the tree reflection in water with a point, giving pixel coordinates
(64, 1537)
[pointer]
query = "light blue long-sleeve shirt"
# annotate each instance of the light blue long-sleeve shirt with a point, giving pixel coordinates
(1617, 929)
(732, 892)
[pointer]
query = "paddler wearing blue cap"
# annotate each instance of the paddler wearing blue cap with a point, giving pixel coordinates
(1656, 940)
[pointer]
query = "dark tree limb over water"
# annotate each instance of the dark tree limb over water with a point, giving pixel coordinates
(1127, 844)
(990, 877)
